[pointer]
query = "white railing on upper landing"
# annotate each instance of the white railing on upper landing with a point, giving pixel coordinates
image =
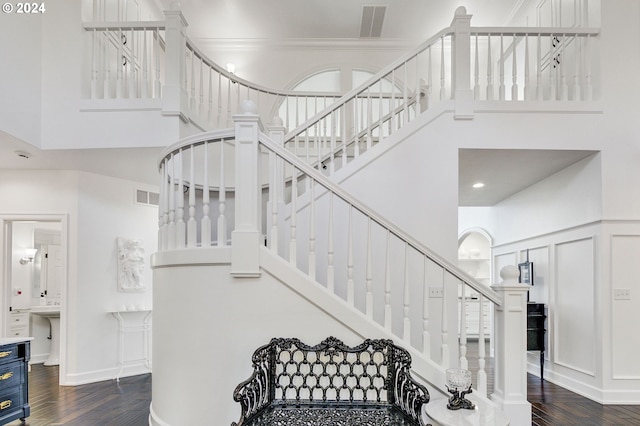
(462, 64)
(154, 61)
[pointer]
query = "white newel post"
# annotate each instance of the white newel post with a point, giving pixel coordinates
(174, 93)
(510, 392)
(461, 65)
(245, 238)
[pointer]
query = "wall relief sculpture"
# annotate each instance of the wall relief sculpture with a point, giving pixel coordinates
(130, 264)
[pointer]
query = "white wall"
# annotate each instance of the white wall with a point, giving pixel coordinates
(207, 327)
(20, 76)
(579, 261)
(106, 211)
(98, 210)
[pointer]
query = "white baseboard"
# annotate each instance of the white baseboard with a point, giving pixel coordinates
(154, 420)
(38, 359)
(102, 375)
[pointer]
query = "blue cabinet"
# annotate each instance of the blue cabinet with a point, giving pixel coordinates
(14, 383)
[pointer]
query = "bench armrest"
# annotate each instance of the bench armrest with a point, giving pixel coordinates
(409, 394)
(254, 393)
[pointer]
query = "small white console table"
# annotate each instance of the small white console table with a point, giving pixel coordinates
(127, 325)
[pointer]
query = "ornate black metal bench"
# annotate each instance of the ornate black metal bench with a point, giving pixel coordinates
(331, 384)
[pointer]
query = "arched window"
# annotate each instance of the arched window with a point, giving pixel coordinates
(322, 89)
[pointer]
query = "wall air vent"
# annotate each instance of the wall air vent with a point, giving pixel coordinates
(372, 19)
(147, 197)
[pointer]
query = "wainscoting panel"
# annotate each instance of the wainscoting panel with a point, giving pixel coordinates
(625, 275)
(575, 320)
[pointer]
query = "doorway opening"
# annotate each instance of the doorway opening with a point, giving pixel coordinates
(34, 284)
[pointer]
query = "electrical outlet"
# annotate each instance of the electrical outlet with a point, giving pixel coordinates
(436, 292)
(622, 294)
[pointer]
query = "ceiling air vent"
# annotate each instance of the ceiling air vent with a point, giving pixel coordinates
(372, 19)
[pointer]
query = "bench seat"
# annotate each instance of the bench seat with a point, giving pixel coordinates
(313, 414)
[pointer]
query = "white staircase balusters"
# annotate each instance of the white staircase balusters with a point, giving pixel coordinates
(463, 327)
(293, 249)
(564, 88)
(192, 227)
(388, 320)
(553, 70)
(426, 335)
(476, 71)
(406, 298)
(482, 373)
(489, 70)
(444, 346)
(501, 88)
(514, 69)
(222, 200)
(443, 90)
(527, 88)
(350, 283)
(158, 52)
(312, 230)
(369, 274)
(181, 230)
(94, 66)
(588, 82)
(539, 92)
(144, 79)
(330, 267)
(577, 60)
(172, 205)
(205, 223)
(163, 211)
(119, 65)
(131, 59)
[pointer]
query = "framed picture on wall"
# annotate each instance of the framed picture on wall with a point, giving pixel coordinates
(526, 272)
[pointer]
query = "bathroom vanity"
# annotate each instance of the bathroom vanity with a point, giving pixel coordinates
(14, 383)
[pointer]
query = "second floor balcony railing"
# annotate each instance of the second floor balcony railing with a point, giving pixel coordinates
(465, 68)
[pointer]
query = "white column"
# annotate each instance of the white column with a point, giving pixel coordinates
(174, 93)
(510, 392)
(461, 65)
(245, 238)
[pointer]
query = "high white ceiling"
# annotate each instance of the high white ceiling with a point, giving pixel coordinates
(335, 20)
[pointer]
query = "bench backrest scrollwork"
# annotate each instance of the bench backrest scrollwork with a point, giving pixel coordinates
(288, 371)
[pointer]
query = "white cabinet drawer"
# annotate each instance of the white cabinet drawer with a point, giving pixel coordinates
(19, 318)
(19, 331)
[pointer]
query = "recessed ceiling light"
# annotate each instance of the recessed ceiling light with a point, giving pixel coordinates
(478, 185)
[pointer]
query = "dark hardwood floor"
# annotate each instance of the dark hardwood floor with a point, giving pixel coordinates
(107, 403)
(110, 403)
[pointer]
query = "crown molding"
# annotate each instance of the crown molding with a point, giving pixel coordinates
(254, 44)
